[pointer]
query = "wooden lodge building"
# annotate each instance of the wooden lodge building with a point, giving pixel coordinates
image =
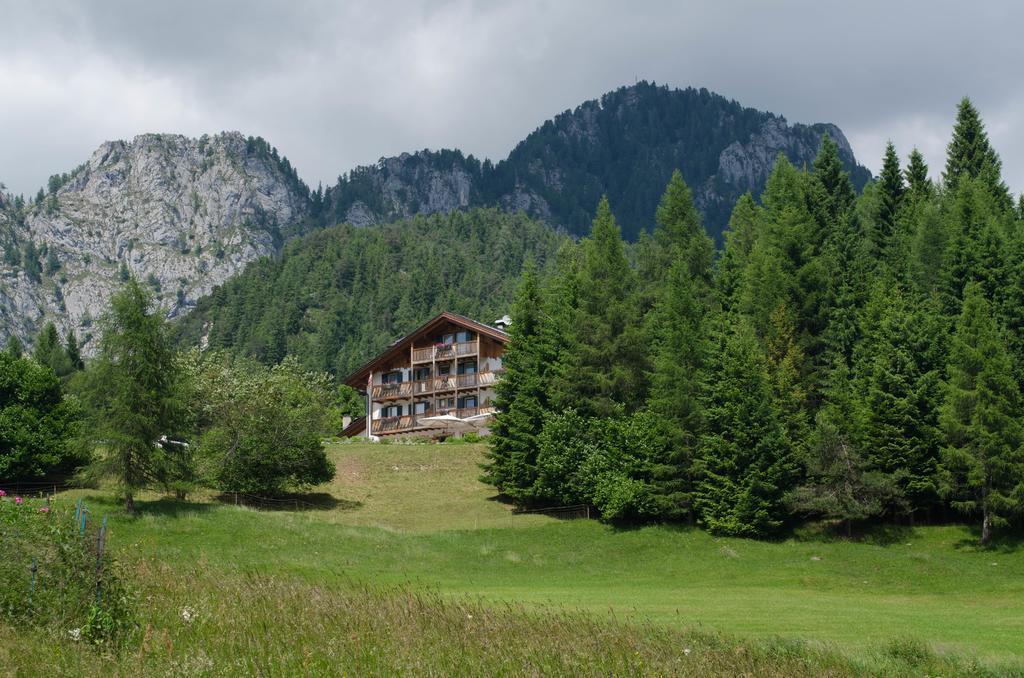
(436, 381)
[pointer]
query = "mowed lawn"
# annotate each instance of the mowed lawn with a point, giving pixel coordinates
(416, 516)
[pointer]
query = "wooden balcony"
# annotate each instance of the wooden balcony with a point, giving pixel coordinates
(448, 382)
(440, 352)
(407, 423)
(392, 391)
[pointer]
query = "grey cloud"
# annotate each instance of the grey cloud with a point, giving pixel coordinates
(337, 84)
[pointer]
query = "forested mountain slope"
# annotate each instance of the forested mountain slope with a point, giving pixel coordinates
(338, 296)
(185, 214)
(625, 144)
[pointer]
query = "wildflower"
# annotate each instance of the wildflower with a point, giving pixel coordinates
(2, 493)
(187, 614)
(44, 509)
(17, 500)
(686, 651)
(76, 634)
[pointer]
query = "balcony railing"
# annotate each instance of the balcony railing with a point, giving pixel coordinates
(459, 349)
(412, 422)
(448, 382)
(389, 391)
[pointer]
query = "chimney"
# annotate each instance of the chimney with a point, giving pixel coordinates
(503, 322)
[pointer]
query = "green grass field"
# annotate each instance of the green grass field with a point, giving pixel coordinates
(413, 518)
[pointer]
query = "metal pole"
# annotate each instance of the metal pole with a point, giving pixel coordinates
(32, 587)
(101, 541)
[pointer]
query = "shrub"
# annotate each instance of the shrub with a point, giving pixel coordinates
(259, 428)
(36, 422)
(53, 576)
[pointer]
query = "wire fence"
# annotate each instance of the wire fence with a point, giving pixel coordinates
(269, 503)
(37, 490)
(573, 512)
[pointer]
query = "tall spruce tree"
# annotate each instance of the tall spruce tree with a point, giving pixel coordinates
(918, 184)
(606, 366)
(680, 233)
(133, 392)
(983, 464)
(49, 351)
(898, 427)
(521, 397)
(969, 154)
(14, 347)
(745, 463)
(73, 351)
(680, 323)
(891, 190)
(835, 196)
(740, 238)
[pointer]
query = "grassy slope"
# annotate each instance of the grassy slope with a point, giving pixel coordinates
(416, 516)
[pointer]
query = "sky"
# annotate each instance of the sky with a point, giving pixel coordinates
(336, 84)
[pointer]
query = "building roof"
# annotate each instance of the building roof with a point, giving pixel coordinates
(357, 379)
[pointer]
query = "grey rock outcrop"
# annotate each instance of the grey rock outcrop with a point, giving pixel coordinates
(180, 214)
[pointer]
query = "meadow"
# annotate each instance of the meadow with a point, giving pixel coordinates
(407, 563)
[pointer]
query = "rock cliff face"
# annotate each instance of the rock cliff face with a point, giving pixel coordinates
(625, 144)
(180, 214)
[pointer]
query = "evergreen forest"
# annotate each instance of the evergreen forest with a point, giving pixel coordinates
(846, 358)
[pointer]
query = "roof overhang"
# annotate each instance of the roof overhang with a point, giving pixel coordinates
(357, 379)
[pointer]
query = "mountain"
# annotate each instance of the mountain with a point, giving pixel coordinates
(625, 144)
(335, 296)
(185, 215)
(182, 214)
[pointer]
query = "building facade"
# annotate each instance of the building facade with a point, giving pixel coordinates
(436, 381)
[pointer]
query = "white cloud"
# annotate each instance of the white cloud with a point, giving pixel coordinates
(333, 85)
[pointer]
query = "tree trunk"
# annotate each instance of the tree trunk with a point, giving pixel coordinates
(986, 526)
(129, 503)
(849, 528)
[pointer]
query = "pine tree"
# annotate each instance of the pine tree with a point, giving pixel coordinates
(521, 397)
(679, 231)
(606, 367)
(745, 463)
(49, 351)
(133, 390)
(73, 352)
(983, 464)
(969, 154)
(976, 246)
(835, 194)
(14, 347)
(743, 232)
(680, 355)
(898, 429)
(919, 185)
(891, 190)
(840, 484)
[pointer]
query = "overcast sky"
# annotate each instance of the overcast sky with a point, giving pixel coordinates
(335, 84)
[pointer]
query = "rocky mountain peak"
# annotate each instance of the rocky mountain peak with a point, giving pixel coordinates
(180, 214)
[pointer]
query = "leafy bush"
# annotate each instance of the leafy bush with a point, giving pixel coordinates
(36, 421)
(52, 575)
(258, 427)
(598, 461)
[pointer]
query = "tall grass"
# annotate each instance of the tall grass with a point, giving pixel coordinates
(205, 623)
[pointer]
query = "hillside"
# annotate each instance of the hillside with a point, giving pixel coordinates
(181, 214)
(625, 144)
(405, 556)
(336, 297)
